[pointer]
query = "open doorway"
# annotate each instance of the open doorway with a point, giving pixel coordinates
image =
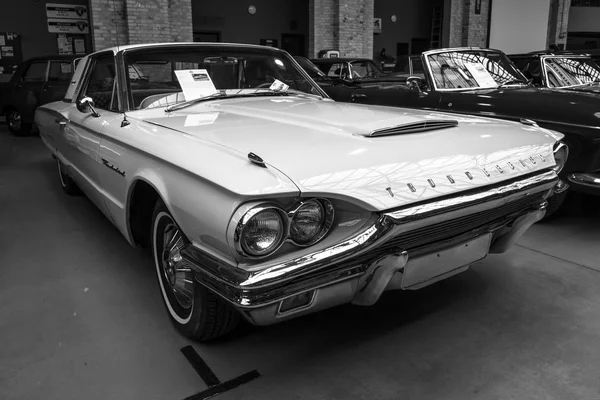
(293, 44)
(207, 36)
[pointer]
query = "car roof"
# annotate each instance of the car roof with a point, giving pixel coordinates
(117, 49)
(63, 57)
(338, 60)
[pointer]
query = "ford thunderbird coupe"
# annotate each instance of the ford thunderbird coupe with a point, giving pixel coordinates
(484, 82)
(260, 198)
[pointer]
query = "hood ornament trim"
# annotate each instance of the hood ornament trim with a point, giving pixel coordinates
(414, 127)
(254, 159)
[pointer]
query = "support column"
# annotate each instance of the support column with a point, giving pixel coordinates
(558, 22)
(140, 21)
(345, 25)
(469, 23)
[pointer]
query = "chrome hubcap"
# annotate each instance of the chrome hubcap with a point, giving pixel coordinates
(14, 120)
(177, 273)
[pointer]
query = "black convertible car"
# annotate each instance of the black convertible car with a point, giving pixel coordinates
(566, 71)
(485, 82)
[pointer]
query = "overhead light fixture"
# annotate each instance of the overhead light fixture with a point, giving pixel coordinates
(251, 10)
(394, 18)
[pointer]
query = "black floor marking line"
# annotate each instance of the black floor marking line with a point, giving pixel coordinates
(225, 386)
(215, 386)
(200, 366)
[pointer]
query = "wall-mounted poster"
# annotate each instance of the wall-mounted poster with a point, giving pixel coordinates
(67, 11)
(68, 26)
(65, 46)
(79, 46)
(7, 51)
(377, 25)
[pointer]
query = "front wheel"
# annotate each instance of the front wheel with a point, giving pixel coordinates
(195, 311)
(16, 126)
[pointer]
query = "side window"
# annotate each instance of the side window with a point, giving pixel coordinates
(60, 71)
(36, 72)
(101, 83)
(417, 67)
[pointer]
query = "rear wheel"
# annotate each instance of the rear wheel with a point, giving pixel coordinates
(16, 125)
(194, 310)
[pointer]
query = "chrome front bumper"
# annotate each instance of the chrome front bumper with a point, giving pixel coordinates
(585, 179)
(361, 268)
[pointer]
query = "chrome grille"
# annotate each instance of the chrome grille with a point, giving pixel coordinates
(459, 226)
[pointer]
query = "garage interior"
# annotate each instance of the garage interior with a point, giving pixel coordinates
(80, 314)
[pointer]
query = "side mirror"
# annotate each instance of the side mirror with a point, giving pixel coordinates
(415, 83)
(85, 105)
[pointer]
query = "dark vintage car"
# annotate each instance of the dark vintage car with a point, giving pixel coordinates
(565, 71)
(36, 81)
(354, 69)
(485, 82)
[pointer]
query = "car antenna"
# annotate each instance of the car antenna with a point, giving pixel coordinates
(125, 122)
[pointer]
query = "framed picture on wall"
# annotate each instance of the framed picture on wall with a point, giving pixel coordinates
(376, 25)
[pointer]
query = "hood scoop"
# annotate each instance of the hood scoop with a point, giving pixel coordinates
(414, 127)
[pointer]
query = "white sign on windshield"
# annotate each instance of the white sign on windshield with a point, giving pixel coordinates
(195, 83)
(481, 75)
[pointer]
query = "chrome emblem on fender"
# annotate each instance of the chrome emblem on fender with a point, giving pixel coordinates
(532, 160)
(390, 191)
(542, 158)
(511, 165)
(499, 169)
(485, 172)
(468, 174)
(450, 178)
(411, 187)
(431, 183)
(522, 163)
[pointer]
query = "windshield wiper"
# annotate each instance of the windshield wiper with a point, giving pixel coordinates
(515, 81)
(220, 95)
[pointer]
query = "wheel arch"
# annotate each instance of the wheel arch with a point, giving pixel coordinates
(145, 190)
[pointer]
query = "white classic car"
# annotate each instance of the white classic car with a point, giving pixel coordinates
(259, 197)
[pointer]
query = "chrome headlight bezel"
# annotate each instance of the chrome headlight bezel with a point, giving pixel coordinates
(328, 217)
(560, 148)
(244, 215)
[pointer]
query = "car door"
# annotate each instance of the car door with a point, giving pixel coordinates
(83, 130)
(59, 78)
(27, 92)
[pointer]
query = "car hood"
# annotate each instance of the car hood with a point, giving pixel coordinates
(321, 146)
(550, 107)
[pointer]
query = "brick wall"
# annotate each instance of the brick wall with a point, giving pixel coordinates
(147, 21)
(346, 25)
(557, 22)
(466, 27)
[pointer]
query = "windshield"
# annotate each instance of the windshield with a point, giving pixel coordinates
(565, 71)
(364, 69)
(311, 69)
(162, 77)
(472, 70)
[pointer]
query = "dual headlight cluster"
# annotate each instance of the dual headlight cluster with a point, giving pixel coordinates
(265, 228)
(561, 153)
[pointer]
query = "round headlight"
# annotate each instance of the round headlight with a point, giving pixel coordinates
(561, 153)
(311, 222)
(262, 233)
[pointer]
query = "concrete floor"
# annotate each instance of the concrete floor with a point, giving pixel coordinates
(81, 317)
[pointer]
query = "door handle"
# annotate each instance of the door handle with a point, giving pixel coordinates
(358, 96)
